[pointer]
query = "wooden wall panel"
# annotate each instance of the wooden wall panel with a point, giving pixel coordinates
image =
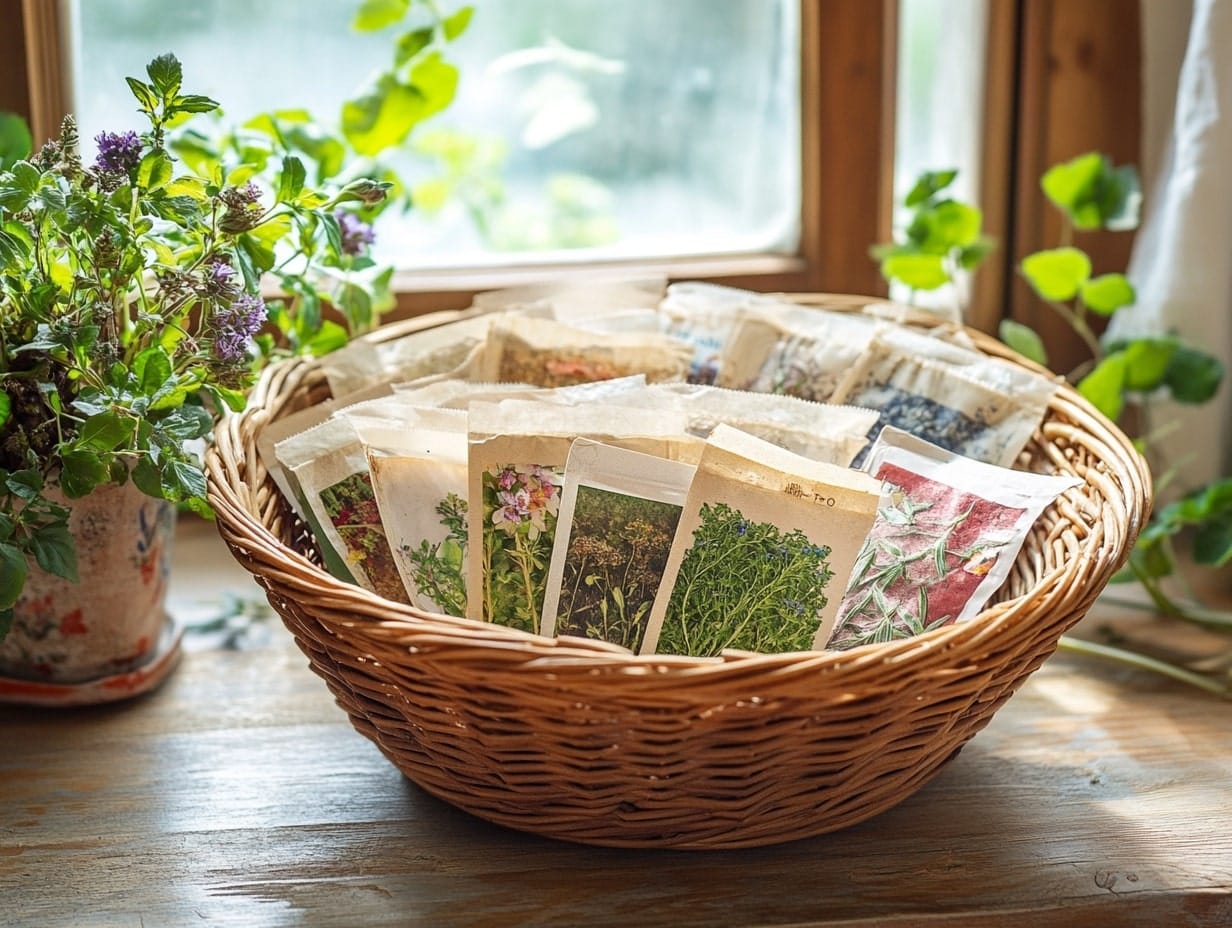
(1079, 90)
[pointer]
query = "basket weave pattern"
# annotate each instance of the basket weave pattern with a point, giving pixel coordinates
(581, 741)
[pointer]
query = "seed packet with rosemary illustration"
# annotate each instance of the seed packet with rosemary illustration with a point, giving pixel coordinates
(518, 451)
(419, 481)
(942, 404)
(818, 431)
(618, 513)
(945, 539)
(763, 550)
(703, 316)
(549, 354)
(804, 353)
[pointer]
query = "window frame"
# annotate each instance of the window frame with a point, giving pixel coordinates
(847, 151)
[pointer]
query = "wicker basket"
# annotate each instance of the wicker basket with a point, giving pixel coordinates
(582, 742)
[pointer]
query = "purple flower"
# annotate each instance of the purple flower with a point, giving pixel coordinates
(218, 278)
(118, 153)
(235, 324)
(356, 234)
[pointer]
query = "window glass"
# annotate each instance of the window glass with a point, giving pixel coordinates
(581, 129)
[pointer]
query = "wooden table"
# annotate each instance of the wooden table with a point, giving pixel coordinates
(238, 794)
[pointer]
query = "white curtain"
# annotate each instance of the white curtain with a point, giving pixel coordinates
(1182, 261)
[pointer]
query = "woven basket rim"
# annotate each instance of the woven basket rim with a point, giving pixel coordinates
(383, 620)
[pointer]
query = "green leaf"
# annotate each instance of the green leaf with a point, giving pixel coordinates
(152, 369)
(1107, 293)
(144, 93)
(919, 272)
(55, 550)
(1058, 273)
(293, 177)
(24, 484)
(329, 337)
(1104, 386)
(186, 422)
(1212, 544)
(1024, 340)
(1146, 362)
(155, 170)
(954, 225)
(105, 432)
(13, 572)
(182, 479)
(1094, 194)
(411, 44)
(148, 478)
(81, 472)
(1193, 376)
(970, 257)
(195, 103)
(373, 15)
(928, 185)
(165, 74)
(383, 117)
(16, 143)
(456, 24)
(1151, 559)
(6, 408)
(225, 397)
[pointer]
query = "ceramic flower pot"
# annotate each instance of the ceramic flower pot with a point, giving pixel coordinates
(94, 641)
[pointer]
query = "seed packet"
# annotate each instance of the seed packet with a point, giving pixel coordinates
(945, 539)
(459, 394)
(549, 354)
(419, 481)
(618, 514)
(362, 362)
(943, 404)
(518, 451)
(578, 299)
(703, 316)
(329, 469)
(818, 431)
(280, 429)
(804, 354)
(764, 547)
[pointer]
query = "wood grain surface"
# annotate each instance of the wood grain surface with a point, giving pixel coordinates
(238, 794)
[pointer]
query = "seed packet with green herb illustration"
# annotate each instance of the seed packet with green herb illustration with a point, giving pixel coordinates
(618, 513)
(703, 316)
(943, 404)
(945, 539)
(419, 481)
(549, 354)
(762, 552)
(818, 431)
(518, 451)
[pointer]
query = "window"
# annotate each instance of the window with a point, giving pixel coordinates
(580, 131)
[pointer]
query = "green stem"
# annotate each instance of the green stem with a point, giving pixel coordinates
(1197, 614)
(1142, 662)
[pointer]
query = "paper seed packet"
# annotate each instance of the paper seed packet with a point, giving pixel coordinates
(419, 480)
(944, 541)
(762, 552)
(618, 515)
(944, 404)
(516, 461)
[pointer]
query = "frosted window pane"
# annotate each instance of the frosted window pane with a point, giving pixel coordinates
(620, 130)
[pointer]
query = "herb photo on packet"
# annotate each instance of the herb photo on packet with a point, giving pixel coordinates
(765, 544)
(618, 514)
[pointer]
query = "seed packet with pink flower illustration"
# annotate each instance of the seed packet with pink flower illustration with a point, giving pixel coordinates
(550, 354)
(945, 539)
(764, 547)
(618, 513)
(944, 403)
(419, 480)
(818, 431)
(703, 316)
(517, 456)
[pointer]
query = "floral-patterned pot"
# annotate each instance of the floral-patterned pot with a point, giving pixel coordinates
(112, 621)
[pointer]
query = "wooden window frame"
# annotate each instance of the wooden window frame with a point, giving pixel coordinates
(847, 154)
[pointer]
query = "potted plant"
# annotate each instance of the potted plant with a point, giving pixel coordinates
(130, 296)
